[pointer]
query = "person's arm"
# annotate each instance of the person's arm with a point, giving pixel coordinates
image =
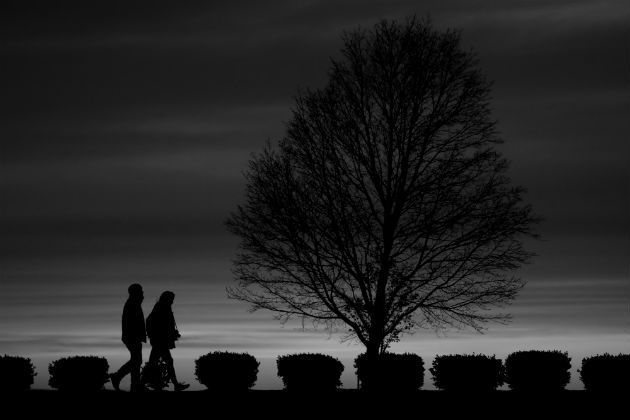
(127, 323)
(141, 326)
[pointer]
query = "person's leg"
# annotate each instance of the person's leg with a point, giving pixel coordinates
(117, 376)
(154, 359)
(154, 356)
(124, 369)
(134, 349)
(166, 356)
(135, 364)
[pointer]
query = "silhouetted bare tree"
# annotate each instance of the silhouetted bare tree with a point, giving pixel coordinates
(386, 207)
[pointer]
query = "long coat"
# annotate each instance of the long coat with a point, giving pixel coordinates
(161, 327)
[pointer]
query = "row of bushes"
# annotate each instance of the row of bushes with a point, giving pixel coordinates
(226, 371)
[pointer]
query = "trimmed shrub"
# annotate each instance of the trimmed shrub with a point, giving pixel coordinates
(538, 370)
(78, 373)
(16, 373)
(155, 375)
(309, 371)
(605, 372)
(467, 372)
(227, 371)
(396, 372)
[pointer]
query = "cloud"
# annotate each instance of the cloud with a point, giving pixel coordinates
(125, 129)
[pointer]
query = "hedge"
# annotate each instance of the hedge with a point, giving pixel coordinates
(605, 372)
(467, 372)
(538, 370)
(395, 372)
(310, 371)
(16, 373)
(227, 371)
(78, 373)
(155, 376)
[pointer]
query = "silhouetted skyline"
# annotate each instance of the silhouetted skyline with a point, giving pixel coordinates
(125, 129)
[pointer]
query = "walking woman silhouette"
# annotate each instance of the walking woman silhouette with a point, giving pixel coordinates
(162, 332)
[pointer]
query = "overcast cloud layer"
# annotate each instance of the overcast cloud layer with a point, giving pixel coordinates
(125, 128)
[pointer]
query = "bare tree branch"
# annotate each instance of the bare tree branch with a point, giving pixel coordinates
(386, 207)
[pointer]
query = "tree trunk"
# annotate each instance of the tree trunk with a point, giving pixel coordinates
(371, 379)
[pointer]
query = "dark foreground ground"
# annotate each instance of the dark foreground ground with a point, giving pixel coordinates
(343, 404)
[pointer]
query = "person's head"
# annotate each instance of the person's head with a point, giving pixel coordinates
(135, 291)
(167, 298)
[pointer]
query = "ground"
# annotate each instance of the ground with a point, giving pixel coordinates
(346, 404)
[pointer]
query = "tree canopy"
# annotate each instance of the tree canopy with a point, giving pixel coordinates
(387, 206)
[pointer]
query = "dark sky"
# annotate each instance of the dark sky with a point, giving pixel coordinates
(125, 128)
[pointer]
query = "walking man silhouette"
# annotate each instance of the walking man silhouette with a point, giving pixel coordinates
(133, 335)
(163, 333)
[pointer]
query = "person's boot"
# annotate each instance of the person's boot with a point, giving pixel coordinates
(180, 386)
